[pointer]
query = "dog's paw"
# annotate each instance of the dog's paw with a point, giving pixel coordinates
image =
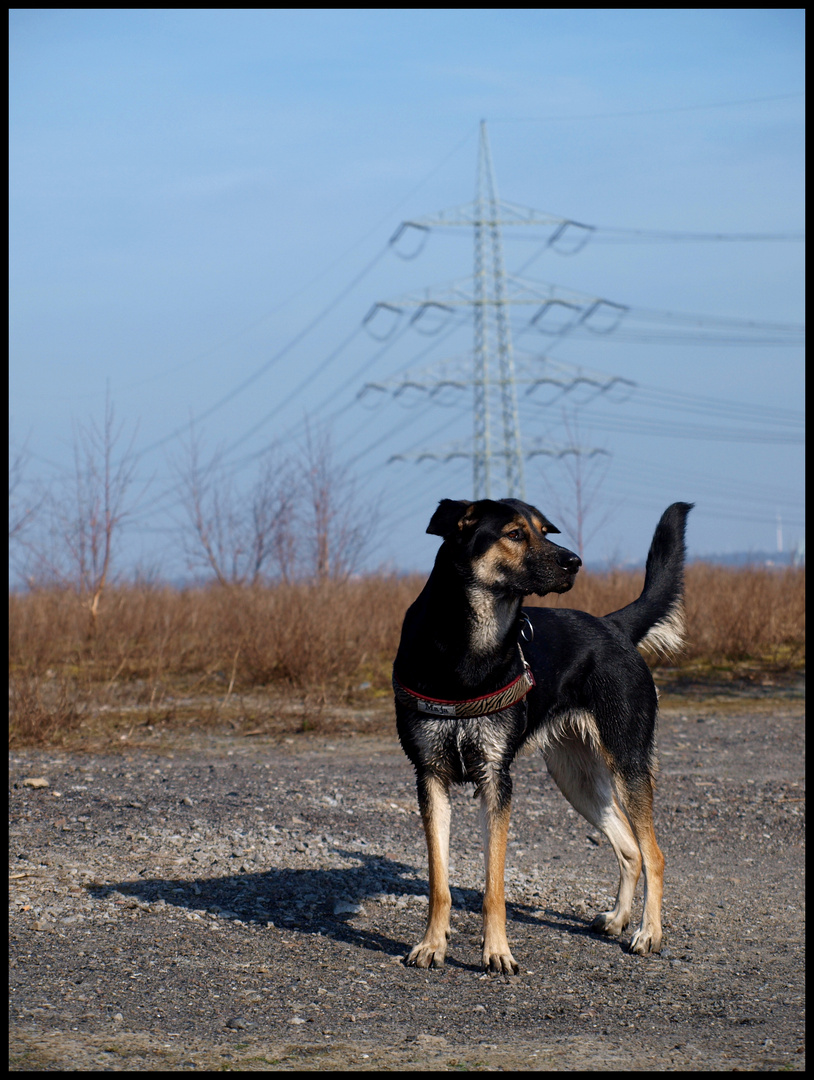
(427, 955)
(610, 922)
(646, 940)
(500, 963)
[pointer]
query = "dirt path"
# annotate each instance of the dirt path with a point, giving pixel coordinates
(243, 904)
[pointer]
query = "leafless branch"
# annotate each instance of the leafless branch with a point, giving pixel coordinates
(585, 477)
(85, 516)
(340, 527)
(240, 538)
(22, 505)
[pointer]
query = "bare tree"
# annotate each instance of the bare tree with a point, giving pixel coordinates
(274, 510)
(22, 504)
(301, 516)
(203, 501)
(86, 514)
(239, 537)
(340, 527)
(585, 472)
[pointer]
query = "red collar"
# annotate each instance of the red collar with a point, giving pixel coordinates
(479, 706)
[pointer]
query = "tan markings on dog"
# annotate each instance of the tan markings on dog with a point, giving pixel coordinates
(503, 557)
(466, 518)
(577, 722)
(518, 523)
(639, 806)
(512, 552)
(497, 956)
(667, 635)
(487, 572)
(490, 569)
(431, 950)
(436, 734)
(589, 784)
(486, 628)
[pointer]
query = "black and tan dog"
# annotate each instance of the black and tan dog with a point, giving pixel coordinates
(478, 678)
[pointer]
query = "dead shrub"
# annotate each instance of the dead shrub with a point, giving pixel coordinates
(733, 614)
(323, 640)
(42, 711)
(746, 614)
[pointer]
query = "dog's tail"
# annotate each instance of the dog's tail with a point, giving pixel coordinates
(656, 619)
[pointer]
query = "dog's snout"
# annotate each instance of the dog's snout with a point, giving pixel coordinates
(568, 560)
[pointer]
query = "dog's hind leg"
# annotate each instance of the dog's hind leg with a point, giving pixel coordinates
(585, 780)
(638, 799)
(494, 817)
(433, 801)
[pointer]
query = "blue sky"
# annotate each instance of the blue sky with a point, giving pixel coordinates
(193, 190)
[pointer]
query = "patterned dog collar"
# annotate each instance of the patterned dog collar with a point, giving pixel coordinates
(479, 706)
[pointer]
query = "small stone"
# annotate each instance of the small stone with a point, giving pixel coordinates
(237, 1023)
(36, 782)
(344, 907)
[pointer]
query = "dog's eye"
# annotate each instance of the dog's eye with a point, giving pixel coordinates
(515, 534)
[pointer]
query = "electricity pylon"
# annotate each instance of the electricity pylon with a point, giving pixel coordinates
(492, 325)
(490, 372)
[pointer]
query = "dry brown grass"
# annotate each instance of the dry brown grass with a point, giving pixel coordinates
(158, 652)
(733, 615)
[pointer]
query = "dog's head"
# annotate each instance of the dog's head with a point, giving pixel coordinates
(503, 546)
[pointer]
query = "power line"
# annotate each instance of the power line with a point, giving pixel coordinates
(318, 318)
(614, 235)
(666, 429)
(396, 430)
(227, 468)
(721, 488)
(634, 236)
(231, 468)
(696, 403)
(255, 375)
(351, 380)
(570, 237)
(648, 112)
(309, 378)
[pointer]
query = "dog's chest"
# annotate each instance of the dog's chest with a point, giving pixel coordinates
(465, 749)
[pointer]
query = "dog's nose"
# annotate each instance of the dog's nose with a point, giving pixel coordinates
(569, 561)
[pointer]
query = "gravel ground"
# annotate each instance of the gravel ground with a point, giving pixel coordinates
(244, 903)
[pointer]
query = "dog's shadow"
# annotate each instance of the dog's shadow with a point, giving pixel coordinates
(329, 903)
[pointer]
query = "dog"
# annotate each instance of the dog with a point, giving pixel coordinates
(478, 678)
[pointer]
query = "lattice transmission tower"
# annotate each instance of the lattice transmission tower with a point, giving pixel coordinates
(497, 450)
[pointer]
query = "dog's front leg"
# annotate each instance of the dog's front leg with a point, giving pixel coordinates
(495, 808)
(433, 801)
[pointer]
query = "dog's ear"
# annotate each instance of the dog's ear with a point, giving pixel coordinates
(543, 523)
(447, 518)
